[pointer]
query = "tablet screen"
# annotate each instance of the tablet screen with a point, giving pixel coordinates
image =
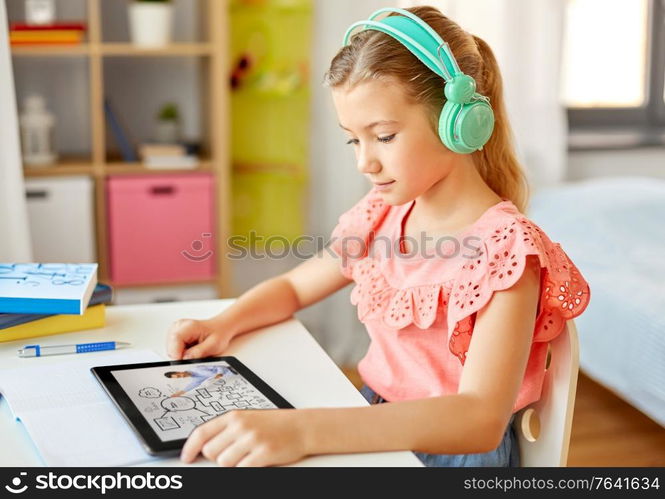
(174, 399)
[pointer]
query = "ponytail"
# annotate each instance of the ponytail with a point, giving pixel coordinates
(497, 162)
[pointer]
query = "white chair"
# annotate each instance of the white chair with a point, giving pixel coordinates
(543, 428)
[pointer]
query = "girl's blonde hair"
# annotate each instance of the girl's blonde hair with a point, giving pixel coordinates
(374, 55)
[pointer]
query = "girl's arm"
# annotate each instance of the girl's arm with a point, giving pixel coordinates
(269, 302)
(471, 421)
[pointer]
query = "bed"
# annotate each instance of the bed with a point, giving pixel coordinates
(614, 231)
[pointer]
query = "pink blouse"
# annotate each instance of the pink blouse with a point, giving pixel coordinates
(414, 305)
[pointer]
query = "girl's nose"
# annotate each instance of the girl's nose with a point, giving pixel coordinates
(367, 163)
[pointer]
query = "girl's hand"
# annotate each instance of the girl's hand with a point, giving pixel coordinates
(249, 437)
(195, 339)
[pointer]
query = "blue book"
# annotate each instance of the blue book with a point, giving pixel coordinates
(103, 294)
(126, 148)
(46, 288)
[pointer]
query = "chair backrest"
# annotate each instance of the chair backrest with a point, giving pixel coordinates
(543, 428)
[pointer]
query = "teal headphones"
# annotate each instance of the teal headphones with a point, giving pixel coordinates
(466, 121)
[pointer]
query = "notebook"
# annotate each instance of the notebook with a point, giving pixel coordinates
(94, 317)
(46, 288)
(66, 396)
(103, 294)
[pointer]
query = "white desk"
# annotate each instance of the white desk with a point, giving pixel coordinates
(286, 356)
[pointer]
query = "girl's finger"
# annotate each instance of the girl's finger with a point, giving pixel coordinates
(179, 335)
(204, 349)
(234, 453)
(216, 445)
(253, 459)
(199, 437)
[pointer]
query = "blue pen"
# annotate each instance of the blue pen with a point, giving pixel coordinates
(40, 351)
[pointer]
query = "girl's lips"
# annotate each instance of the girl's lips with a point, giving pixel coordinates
(384, 186)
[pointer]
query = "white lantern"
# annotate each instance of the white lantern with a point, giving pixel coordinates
(37, 126)
(39, 12)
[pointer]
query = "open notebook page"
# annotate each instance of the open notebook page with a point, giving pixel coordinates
(67, 414)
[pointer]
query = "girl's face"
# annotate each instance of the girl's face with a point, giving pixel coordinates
(395, 146)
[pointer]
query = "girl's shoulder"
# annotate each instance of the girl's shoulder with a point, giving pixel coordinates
(365, 215)
(505, 239)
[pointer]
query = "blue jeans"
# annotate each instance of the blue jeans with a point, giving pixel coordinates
(506, 455)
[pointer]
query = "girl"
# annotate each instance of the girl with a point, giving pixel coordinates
(459, 291)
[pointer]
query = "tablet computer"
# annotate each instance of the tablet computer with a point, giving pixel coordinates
(164, 401)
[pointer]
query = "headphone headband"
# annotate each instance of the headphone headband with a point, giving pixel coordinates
(428, 28)
(431, 62)
(416, 34)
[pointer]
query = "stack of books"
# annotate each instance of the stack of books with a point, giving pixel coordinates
(164, 156)
(41, 299)
(70, 33)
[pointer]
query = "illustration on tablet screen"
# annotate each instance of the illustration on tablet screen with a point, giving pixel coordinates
(176, 399)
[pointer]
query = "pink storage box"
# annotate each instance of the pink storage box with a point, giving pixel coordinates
(161, 228)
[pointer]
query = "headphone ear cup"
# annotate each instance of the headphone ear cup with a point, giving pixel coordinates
(446, 121)
(474, 125)
(465, 128)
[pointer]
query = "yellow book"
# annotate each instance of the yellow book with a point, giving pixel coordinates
(39, 38)
(93, 317)
(55, 33)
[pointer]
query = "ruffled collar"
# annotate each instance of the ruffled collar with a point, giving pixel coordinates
(505, 205)
(407, 288)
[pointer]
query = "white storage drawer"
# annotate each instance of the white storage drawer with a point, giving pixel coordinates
(61, 217)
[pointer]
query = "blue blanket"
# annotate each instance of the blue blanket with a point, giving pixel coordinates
(614, 231)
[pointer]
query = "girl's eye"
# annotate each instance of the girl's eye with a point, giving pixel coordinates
(385, 140)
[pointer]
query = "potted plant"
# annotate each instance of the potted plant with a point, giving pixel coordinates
(168, 124)
(150, 22)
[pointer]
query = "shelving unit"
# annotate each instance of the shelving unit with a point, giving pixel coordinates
(64, 51)
(180, 49)
(216, 144)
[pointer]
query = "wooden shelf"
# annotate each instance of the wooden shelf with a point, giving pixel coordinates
(51, 50)
(122, 167)
(176, 49)
(65, 166)
(114, 49)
